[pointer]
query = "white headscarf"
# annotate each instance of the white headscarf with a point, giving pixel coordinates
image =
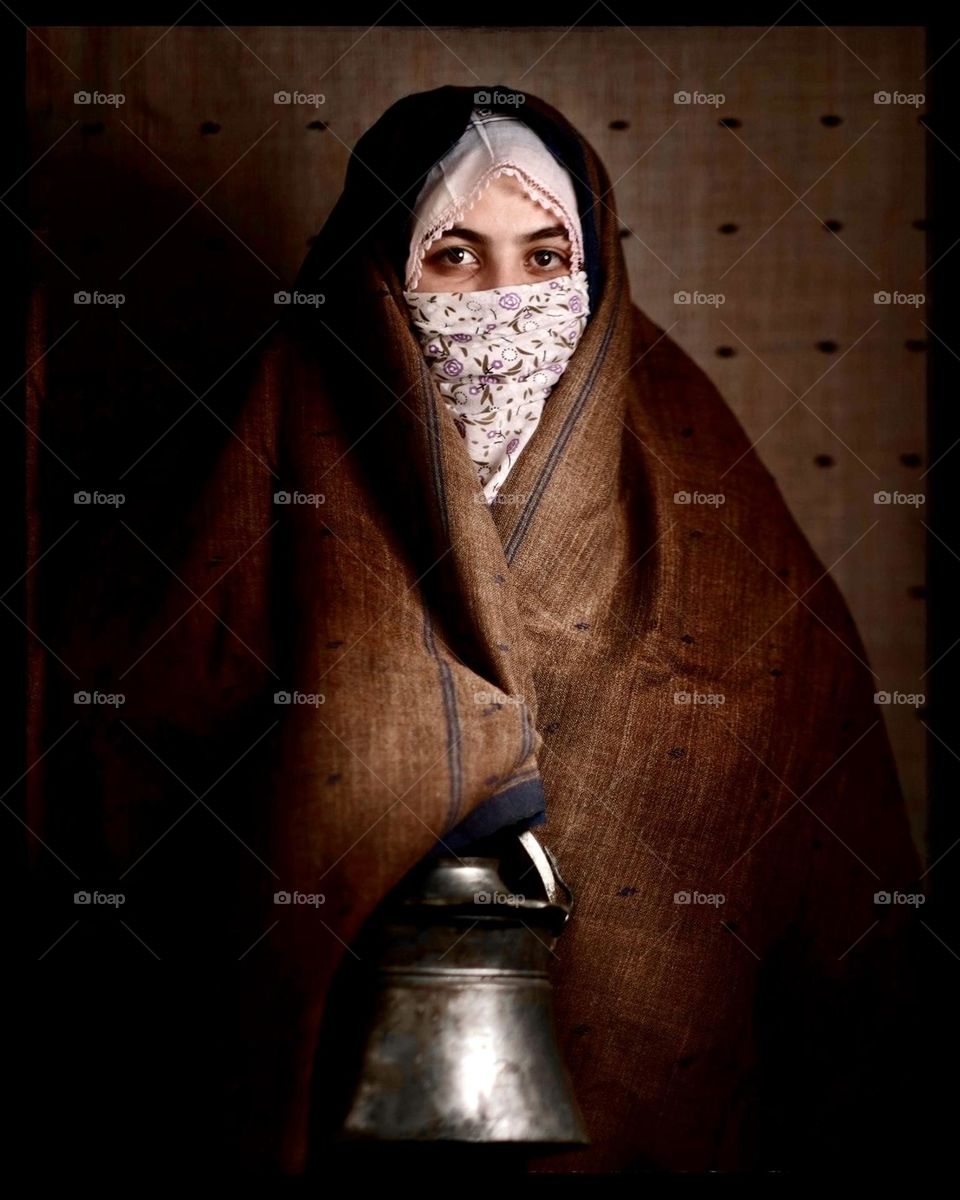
(496, 354)
(492, 144)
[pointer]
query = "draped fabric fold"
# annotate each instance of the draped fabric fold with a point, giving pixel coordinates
(679, 687)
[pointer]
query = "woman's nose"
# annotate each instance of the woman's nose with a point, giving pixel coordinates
(504, 274)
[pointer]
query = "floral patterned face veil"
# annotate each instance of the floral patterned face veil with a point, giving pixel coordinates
(496, 354)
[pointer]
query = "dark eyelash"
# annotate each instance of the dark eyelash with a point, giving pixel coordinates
(561, 254)
(441, 255)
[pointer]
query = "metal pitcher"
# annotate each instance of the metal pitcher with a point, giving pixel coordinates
(460, 1045)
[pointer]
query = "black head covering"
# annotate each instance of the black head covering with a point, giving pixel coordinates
(366, 241)
(391, 160)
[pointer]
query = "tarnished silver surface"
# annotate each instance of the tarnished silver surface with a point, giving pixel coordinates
(461, 1044)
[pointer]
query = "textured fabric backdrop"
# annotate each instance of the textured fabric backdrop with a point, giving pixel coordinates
(804, 204)
(655, 1003)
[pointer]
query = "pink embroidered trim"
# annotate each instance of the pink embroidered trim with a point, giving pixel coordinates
(541, 195)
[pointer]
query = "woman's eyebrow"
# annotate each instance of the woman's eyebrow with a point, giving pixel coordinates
(550, 232)
(466, 235)
(471, 235)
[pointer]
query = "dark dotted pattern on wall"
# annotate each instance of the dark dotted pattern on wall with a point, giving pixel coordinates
(711, 193)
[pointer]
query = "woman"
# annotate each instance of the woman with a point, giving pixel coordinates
(529, 627)
(497, 252)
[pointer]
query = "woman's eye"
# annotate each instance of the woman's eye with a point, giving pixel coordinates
(450, 256)
(548, 258)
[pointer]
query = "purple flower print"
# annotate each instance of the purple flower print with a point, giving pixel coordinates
(491, 327)
(488, 379)
(510, 300)
(494, 365)
(452, 367)
(433, 349)
(475, 390)
(463, 337)
(512, 445)
(575, 305)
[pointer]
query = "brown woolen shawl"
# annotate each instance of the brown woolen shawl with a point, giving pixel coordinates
(698, 1036)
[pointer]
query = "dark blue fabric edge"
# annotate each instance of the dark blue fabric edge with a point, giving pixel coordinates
(520, 807)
